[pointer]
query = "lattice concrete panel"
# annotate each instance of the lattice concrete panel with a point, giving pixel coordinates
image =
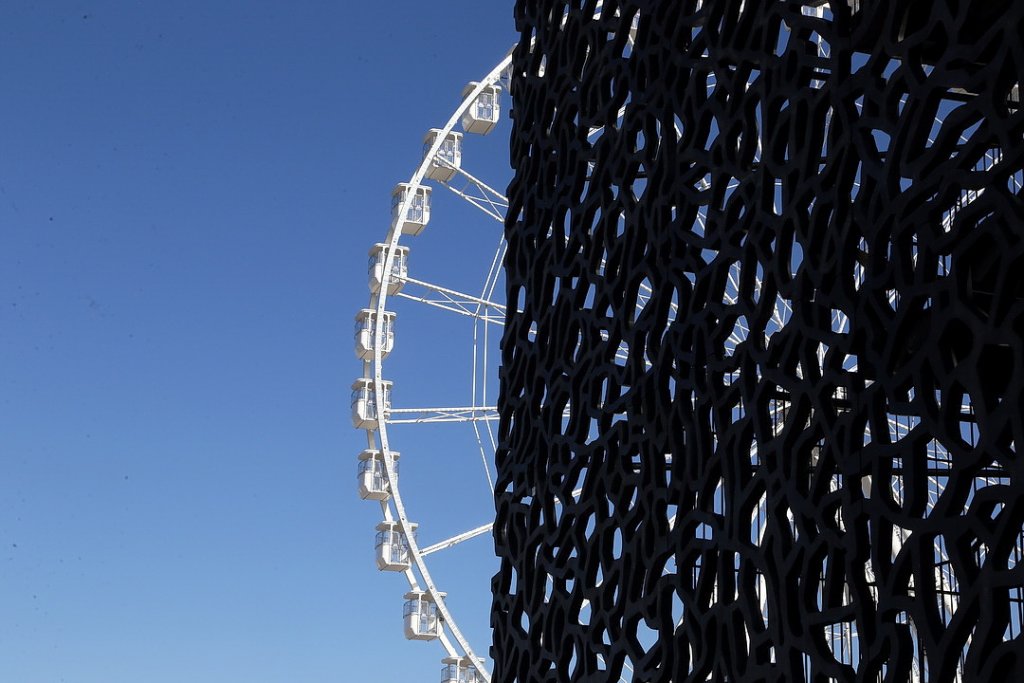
(763, 367)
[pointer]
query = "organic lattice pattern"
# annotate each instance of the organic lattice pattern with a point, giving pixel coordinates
(763, 365)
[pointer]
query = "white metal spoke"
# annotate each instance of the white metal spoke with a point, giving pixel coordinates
(495, 270)
(465, 536)
(428, 415)
(781, 314)
(483, 454)
(456, 302)
(455, 540)
(618, 117)
(476, 192)
(456, 293)
(481, 367)
(453, 307)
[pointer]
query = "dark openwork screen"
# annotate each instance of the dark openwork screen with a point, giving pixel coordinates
(763, 367)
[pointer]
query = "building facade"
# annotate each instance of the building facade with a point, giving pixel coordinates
(763, 366)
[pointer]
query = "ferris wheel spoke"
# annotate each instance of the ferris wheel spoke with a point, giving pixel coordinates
(841, 321)
(476, 192)
(455, 540)
(483, 455)
(782, 312)
(465, 536)
(594, 131)
(455, 295)
(494, 271)
(429, 415)
(453, 307)
(455, 301)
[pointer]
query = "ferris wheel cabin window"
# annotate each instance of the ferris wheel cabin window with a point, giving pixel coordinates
(449, 155)
(484, 112)
(372, 475)
(417, 214)
(399, 268)
(365, 333)
(392, 547)
(422, 621)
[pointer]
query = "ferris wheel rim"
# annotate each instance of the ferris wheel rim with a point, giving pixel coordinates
(376, 363)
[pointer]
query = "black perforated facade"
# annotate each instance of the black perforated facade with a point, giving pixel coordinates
(763, 366)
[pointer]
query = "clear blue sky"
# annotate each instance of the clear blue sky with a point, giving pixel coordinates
(187, 193)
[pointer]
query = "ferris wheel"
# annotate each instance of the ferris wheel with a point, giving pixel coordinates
(398, 293)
